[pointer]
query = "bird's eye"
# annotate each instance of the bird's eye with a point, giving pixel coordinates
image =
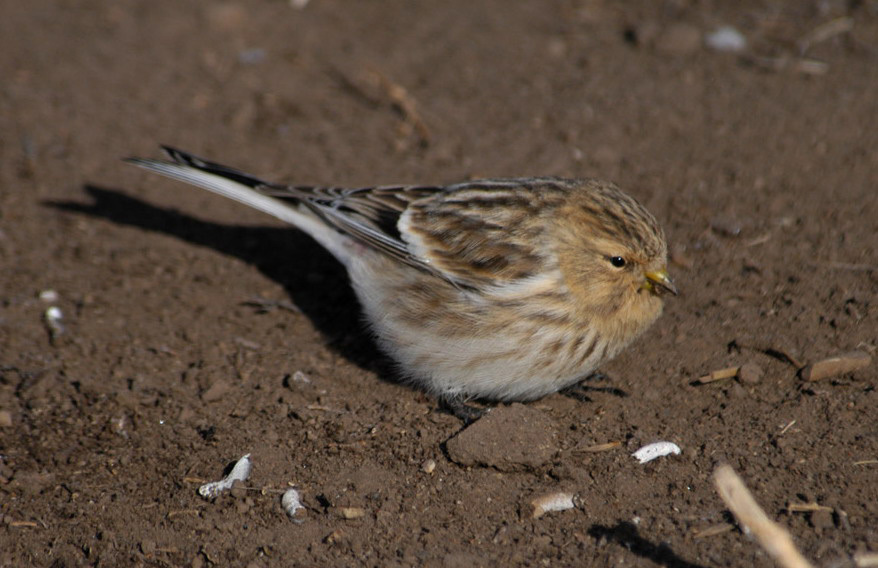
(617, 261)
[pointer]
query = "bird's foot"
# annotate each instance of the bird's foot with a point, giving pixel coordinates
(580, 390)
(457, 407)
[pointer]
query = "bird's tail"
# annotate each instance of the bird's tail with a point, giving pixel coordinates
(245, 189)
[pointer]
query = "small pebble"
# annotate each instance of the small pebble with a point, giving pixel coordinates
(655, 450)
(300, 377)
(5, 419)
(726, 39)
(147, 547)
(838, 365)
(428, 466)
(351, 513)
(216, 391)
(750, 373)
(726, 226)
(53, 317)
(334, 536)
(866, 559)
(49, 296)
(549, 503)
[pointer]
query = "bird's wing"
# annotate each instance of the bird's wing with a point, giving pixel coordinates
(473, 234)
(370, 214)
(476, 234)
(485, 233)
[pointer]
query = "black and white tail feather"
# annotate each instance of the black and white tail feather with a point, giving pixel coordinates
(367, 215)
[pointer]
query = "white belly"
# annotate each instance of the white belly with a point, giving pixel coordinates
(490, 352)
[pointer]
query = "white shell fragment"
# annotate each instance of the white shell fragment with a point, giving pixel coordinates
(53, 317)
(655, 450)
(49, 296)
(291, 501)
(240, 472)
(726, 38)
(552, 502)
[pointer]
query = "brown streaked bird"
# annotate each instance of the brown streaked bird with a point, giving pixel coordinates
(500, 289)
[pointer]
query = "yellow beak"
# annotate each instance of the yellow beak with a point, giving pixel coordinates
(659, 279)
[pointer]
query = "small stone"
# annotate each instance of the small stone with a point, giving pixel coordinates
(726, 39)
(838, 365)
(216, 391)
(429, 466)
(49, 296)
(334, 537)
(5, 419)
(147, 547)
(750, 374)
(351, 513)
(679, 39)
(508, 438)
(726, 226)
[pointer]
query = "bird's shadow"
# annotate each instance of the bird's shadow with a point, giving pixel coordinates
(625, 534)
(315, 282)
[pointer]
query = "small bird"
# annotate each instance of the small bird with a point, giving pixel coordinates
(496, 289)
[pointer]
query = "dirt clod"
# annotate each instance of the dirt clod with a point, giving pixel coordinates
(508, 438)
(750, 374)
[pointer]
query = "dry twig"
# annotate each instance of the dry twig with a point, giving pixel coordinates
(599, 447)
(718, 375)
(776, 541)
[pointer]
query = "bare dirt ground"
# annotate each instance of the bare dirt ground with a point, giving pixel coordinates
(195, 331)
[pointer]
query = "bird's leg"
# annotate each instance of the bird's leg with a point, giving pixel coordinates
(579, 390)
(457, 407)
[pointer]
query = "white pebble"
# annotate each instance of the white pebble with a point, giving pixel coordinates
(655, 450)
(550, 503)
(292, 503)
(49, 296)
(53, 317)
(726, 38)
(54, 314)
(240, 472)
(300, 377)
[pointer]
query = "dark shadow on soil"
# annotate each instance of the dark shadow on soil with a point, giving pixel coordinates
(315, 282)
(625, 534)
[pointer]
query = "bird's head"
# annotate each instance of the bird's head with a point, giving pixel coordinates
(613, 256)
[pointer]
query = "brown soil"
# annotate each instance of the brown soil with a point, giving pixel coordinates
(761, 165)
